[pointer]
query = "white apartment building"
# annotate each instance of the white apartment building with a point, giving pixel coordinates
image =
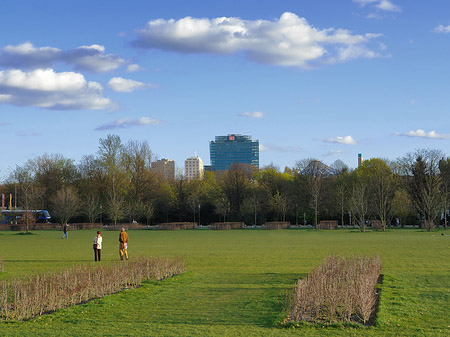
(193, 168)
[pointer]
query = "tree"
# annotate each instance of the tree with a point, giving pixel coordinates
(148, 211)
(402, 206)
(92, 208)
(381, 182)
(111, 161)
(424, 183)
(444, 168)
(115, 208)
(51, 173)
(137, 158)
(24, 179)
(342, 192)
(253, 203)
(315, 172)
(279, 203)
(65, 204)
(359, 198)
(235, 184)
(91, 184)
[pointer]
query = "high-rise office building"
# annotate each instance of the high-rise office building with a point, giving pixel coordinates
(233, 149)
(193, 168)
(360, 159)
(165, 167)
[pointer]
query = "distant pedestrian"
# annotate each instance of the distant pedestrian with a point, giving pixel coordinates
(66, 231)
(98, 246)
(123, 244)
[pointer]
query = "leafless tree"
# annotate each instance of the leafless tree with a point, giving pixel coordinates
(315, 172)
(66, 204)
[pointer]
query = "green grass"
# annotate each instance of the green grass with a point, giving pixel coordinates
(236, 281)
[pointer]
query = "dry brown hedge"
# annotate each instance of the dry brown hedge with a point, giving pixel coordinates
(341, 289)
(22, 299)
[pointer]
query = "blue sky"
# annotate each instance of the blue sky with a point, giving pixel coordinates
(324, 79)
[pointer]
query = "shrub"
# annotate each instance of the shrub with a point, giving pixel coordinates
(22, 299)
(341, 289)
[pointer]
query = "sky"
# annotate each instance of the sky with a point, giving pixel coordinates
(320, 79)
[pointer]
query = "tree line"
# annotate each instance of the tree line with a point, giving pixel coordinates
(117, 184)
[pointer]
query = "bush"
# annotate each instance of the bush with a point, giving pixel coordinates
(341, 289)
(40, 294)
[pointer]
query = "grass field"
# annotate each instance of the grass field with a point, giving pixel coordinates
(236, 281)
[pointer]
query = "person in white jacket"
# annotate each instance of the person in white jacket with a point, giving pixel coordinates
(98, 246)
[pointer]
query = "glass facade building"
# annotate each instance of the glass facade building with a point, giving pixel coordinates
(228, 150)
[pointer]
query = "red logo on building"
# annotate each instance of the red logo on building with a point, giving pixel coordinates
(231, 138)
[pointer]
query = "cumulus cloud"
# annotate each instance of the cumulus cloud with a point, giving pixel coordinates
(278, 148)
(48, 89)
(126, 85)
(252, 114)
(347, 140)
(287, 41)
(442, 29)
(423, 134)
(127, 123)
(91, 58)
(383, 5)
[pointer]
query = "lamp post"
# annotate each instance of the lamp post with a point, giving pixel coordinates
(199, 224)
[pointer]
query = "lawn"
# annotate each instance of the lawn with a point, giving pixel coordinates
(236, 281)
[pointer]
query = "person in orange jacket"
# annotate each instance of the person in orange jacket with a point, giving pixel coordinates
(123, 244)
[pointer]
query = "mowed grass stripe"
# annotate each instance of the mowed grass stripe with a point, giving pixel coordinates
(235, 281)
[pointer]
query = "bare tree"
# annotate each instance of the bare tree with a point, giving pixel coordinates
(111, 162)
(22, 175)
(359, 202)
(92, 208)
(65, 204)
(422, 167)
(315, 172)
(235, 184)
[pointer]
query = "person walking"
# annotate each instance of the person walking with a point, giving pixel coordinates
(123, 244)
(66, 231)
(98, 246)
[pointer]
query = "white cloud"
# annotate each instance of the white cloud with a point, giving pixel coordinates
(92, 58)
(423, 134)
(133, 67)
(48, 89)
(384, 5)
(26, 56)
(347, 140)
(287, 41)
(126, 123)
(253, 114)
(278, 148)
(126, 85)
(442, 29)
